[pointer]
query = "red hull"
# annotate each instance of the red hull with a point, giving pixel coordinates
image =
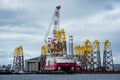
(61, 66)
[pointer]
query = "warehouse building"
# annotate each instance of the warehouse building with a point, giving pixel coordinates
(32, 65)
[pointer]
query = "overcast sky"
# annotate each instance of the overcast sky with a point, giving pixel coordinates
(24, 22)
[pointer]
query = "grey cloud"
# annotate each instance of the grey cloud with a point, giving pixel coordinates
(12, 18)
(85, 8)
(5, 54)
(23, 29)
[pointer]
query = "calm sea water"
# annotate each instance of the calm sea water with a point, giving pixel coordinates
(61, 77)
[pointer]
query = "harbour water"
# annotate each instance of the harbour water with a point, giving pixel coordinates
(61, 77)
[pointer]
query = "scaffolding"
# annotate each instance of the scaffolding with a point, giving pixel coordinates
(88, 57)
(18, 63)
(107, 57)
(96, 56)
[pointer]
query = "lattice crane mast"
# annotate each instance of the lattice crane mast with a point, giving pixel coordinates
(53, 24)
(57, 42)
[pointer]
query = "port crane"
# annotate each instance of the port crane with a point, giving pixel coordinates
(55, 47)
(53, 24)
(55, 21)
(56, 43)
(48, 41)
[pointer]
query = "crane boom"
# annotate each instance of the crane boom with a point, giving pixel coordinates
(54, 23)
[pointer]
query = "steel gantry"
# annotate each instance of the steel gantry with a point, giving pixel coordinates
(108, 57)
(79, 53)
(18, 61)
(88, 58)
(84, 54)
(96, 56)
